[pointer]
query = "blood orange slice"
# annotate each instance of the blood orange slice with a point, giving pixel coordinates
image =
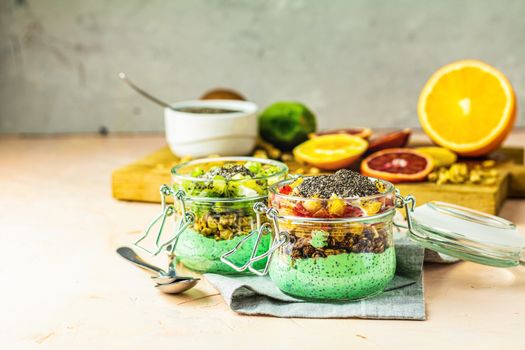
(398, 165)
(394, 139)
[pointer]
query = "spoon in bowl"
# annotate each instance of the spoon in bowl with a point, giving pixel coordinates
(172, 284)
(142, 92)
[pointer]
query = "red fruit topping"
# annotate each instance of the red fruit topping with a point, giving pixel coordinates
(285, 190)
(321, 213)
(300, 210)
(388, 201)
(351, 212)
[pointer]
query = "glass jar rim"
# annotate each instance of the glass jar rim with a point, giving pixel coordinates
(348, 220)
(229, 200)
(283, 168)
(274, 190)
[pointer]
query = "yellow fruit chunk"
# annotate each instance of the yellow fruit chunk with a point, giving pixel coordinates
(371, 207)
(312, 205)
(331, 152)
(440, 155)
(336, 206)
(296, 182)
(468, 107)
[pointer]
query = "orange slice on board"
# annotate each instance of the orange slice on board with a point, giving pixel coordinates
(331, 152)
(468, 107)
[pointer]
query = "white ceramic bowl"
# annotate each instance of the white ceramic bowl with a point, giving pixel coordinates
(198, 134)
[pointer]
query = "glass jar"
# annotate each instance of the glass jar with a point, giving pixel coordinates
(339, 248)
(343, 249)
(214, 214)
(334, 259)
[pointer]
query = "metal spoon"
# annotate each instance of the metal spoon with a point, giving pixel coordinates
(162, 276)
(147, 95)
(177, 287)
(170, 276)
(177, 284)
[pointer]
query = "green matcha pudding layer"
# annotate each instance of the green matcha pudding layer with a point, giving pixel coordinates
(203, 254)
(344, 276)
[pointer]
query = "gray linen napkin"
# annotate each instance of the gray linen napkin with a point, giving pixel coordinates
(403, 298)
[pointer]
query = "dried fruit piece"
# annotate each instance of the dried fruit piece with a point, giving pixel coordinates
(363, 133)
(461, 173)
(488, 163)
(458, 173)
(396, 139)
(398, 165)
(270, 150)
(440, 155)
(260, 154)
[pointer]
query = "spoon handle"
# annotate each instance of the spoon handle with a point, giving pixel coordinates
(130, 255)
(147, 95)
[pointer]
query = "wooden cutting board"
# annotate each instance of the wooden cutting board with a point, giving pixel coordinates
(141, 180)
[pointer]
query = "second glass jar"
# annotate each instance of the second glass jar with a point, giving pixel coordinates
(329, 249)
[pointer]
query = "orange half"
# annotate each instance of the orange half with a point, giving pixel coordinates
(331, 152)
(468, 107)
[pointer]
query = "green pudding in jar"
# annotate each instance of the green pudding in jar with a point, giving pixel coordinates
(220, 193)
(200, 253)
(345, 276)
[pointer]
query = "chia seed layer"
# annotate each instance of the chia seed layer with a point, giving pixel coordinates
(337, 277)
(344, 183)
(228, 171)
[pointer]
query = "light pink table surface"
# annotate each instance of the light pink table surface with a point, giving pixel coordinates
(63, 287)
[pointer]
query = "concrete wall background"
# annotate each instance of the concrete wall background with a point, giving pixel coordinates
(353, 62)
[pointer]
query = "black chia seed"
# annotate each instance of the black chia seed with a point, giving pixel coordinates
(228, 171)
(344, 183)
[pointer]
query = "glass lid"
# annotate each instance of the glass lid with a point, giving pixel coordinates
(467, 234)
